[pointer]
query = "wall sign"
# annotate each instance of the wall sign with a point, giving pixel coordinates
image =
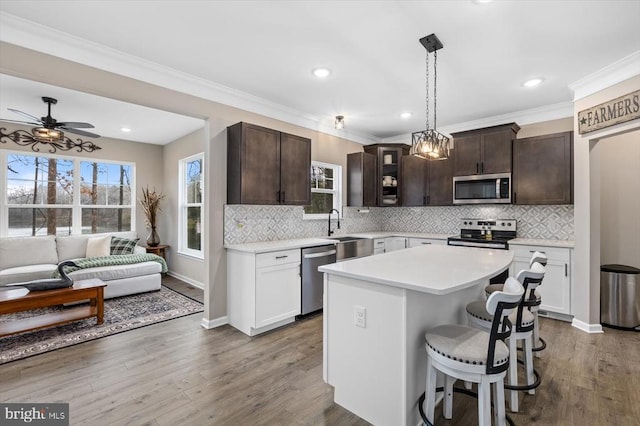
(616, 111)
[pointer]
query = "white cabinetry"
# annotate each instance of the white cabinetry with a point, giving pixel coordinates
(378, 245)
(394, 243)
(556, 286)
(263, 289)
(415, 242)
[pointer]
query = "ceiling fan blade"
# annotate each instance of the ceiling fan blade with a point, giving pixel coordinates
(79, 132)
(22, 122)
(75, 125)
(24, 114)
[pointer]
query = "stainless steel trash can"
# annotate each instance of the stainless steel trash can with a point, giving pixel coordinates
(620, 296)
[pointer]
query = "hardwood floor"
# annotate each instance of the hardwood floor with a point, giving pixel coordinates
(177, 373)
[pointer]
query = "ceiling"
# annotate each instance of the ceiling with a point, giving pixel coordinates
(264, 52)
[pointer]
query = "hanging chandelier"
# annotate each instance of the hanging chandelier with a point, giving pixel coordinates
(430, 143)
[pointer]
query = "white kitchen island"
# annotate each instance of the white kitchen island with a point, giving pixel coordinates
(378, 371)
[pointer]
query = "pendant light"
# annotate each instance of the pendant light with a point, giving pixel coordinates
(429, 143)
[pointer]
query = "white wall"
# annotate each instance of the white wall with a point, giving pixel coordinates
(620, 199)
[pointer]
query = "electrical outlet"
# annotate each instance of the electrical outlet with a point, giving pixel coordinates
(360, 317)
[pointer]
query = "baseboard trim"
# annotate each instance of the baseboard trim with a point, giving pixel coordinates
(186, 279)
(587, 328)
(209, 324)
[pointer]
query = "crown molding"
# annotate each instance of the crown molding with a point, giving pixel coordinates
(621, 70)
(528, 116)
(30, 35)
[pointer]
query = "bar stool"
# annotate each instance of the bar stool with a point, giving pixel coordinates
(538, 343)
(523, 324)
(466, 353)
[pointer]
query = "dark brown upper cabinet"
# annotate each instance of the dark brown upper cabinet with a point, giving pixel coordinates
(426, 183)
(265, 166)
(389, 164)
(543, 169)
(484, 151)
(361, 180)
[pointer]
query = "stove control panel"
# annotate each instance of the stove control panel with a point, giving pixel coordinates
(489, 224)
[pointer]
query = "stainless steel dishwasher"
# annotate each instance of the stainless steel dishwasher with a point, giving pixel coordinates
(312, 280)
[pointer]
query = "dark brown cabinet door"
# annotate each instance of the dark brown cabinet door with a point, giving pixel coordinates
(440, 183)
(295, 170)
(496, 152)
(466, 155)
(543, 169)
(414, 177)
(484, 151)
(265, 166)
(361, 179)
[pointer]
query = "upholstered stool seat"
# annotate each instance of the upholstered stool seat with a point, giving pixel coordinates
(465, 344)
(473, 355)
(523, 321)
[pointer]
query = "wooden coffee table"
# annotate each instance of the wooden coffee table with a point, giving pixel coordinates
(15, 300)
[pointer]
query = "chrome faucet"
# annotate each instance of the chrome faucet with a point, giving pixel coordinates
(330, 213)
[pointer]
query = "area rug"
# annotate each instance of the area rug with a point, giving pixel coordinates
(120, 314)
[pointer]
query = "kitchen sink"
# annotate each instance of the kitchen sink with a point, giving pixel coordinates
(352, 247)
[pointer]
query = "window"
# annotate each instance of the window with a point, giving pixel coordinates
(52, 194)
(326, 193)
(192, 205)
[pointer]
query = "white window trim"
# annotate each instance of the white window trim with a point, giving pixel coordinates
(76, 207)
(182, 206)
(337, 185)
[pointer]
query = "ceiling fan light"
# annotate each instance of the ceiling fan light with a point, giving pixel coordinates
(43, 134)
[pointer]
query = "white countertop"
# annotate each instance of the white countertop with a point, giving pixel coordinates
(267, 246)
(539, 242)
(435, 269)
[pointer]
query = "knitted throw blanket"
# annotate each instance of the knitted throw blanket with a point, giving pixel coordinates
(120, 259)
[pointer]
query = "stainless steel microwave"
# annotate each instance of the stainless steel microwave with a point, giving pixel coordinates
(482, 189)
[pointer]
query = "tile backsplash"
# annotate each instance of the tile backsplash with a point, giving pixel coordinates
(250, 223)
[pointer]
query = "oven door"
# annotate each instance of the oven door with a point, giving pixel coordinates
(482, 189)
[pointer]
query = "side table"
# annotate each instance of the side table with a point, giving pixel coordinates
(158, 250)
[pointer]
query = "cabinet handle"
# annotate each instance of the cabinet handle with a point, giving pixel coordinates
(283, 198)
(540, 251)
(380, 242)
(424, 243)
(515, 197)
(424, 201)
(282, 257)
(482, 167)
(477, 168)
(566, 270)
(279, 199)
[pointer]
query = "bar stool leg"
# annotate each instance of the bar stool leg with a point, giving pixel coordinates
(528, 355)
(498, 403)
(448, 396)
(430, 391)
(484, 402)
(513, 373)
(536, 333)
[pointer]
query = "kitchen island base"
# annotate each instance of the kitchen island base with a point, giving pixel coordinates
(378, 372)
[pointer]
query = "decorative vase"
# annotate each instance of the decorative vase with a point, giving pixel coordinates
(153, 240)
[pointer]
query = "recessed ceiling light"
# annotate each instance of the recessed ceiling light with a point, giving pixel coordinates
(321, 72)
(481, 1)
(406, 115)
(125, 129)
(533, 82)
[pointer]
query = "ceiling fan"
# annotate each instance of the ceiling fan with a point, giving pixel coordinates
(49, 129)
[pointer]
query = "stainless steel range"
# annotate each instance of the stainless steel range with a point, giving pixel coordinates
(485, 233)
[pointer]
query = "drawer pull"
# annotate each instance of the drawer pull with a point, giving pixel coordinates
(424, 243)
(380, 242)
(539, 251)
(282, 257)
(566, 270)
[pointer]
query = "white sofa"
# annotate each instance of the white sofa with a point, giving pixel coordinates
(30, 258)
